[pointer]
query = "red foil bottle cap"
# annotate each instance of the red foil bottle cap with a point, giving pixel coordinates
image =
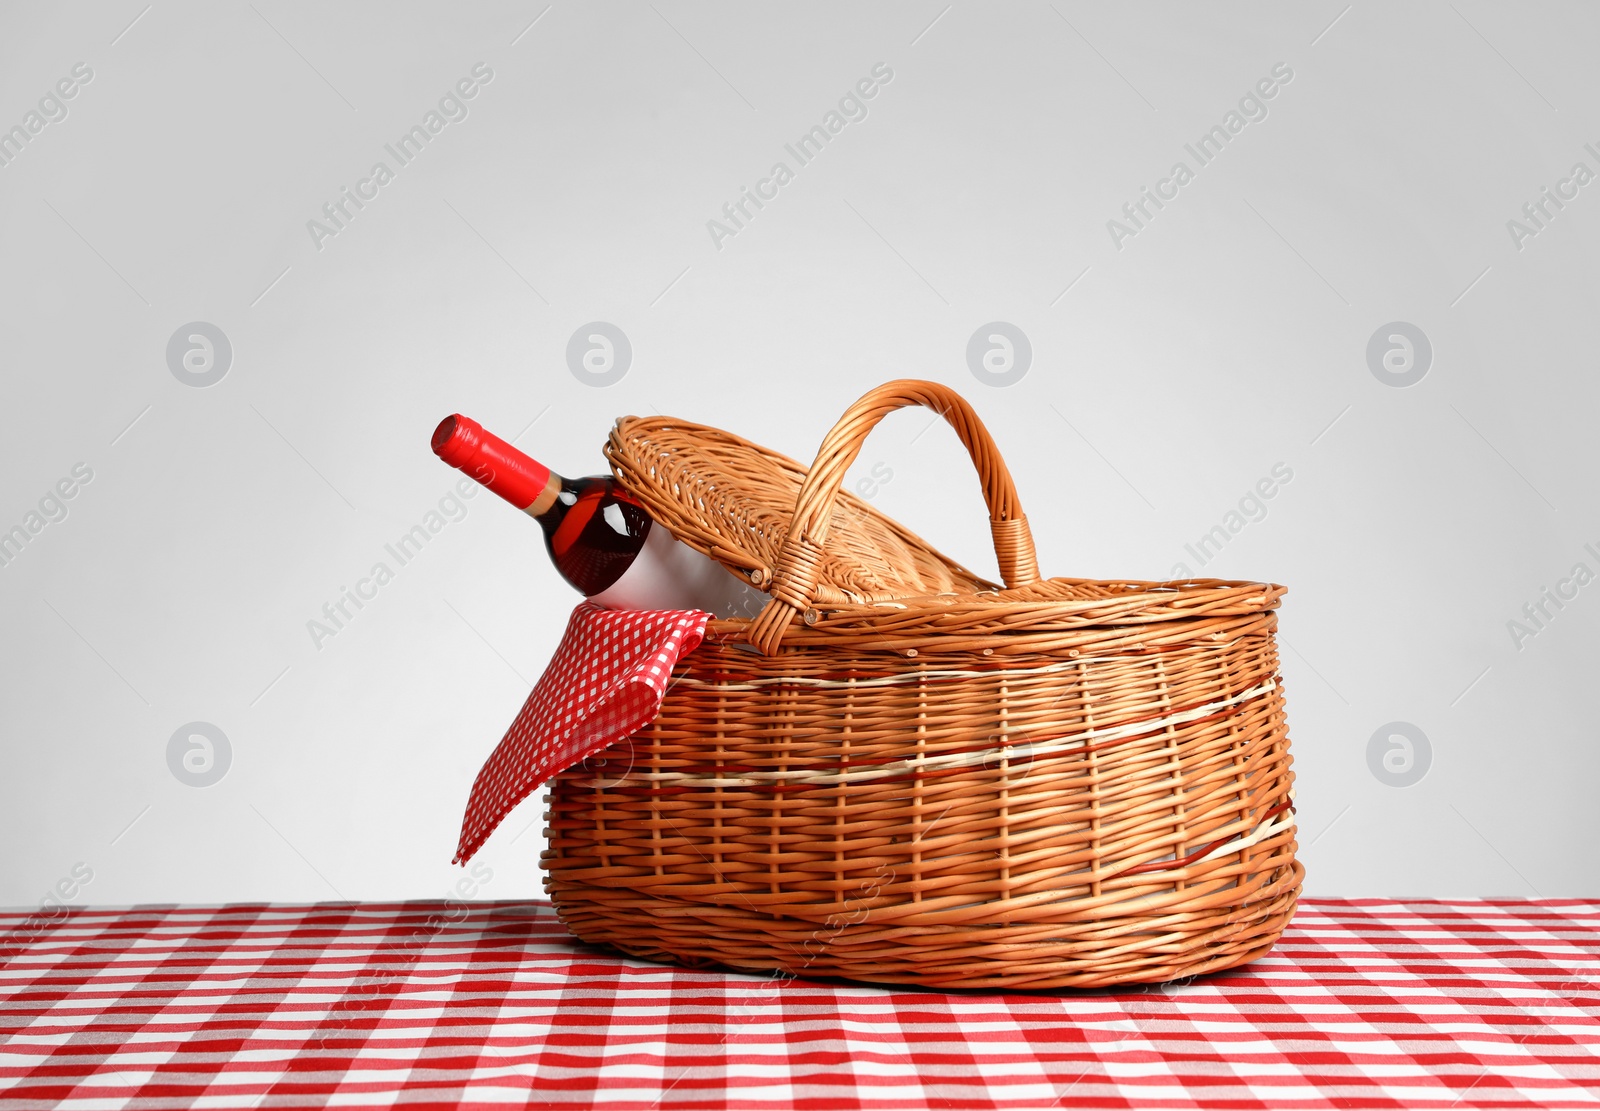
(463, 443)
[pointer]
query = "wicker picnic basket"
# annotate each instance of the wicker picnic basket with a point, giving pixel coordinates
(927, 778)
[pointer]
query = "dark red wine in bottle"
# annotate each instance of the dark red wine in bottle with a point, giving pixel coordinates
(600, 538)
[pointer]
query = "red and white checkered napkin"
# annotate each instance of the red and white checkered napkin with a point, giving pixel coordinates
(605, 683)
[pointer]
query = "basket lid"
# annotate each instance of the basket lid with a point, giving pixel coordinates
(734, 500)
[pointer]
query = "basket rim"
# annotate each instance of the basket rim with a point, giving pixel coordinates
(1215, 613)
(1127, 600)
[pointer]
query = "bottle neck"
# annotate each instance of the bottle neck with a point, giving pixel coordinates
(515, 476)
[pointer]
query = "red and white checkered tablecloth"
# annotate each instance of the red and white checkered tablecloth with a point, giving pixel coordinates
(1365, 1003)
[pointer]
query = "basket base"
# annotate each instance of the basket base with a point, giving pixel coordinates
(1109, 951)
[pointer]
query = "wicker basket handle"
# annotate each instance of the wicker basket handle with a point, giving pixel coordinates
(794, 579)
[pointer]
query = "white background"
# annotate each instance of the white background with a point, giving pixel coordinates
(1228, 335)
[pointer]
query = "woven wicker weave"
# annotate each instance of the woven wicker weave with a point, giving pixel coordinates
(1059, 783)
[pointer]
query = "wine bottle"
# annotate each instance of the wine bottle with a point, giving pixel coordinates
(601, 540)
